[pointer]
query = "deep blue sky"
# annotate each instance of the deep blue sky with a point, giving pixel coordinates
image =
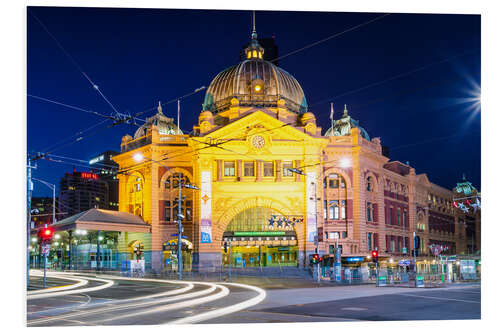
(139, 56)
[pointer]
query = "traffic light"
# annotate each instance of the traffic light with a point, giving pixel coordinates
(225, 247)
(45, 234)
(375, 256)
(315, 259)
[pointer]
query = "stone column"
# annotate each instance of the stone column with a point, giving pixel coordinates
(278, 171)
(258, 171)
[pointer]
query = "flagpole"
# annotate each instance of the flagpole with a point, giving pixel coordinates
(331, 113)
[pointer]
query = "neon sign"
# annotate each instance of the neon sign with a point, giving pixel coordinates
(88, 175)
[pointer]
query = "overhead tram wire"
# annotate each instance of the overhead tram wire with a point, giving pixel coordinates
(76, 134)
(73, 61)
(397, 76)
(322, 41)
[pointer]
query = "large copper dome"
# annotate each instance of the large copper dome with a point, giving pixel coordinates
(254, 82)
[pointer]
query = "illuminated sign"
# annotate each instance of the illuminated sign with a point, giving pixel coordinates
(88, 175)
(96, 159)
(206, 207)
(354, 259)
(259, 233)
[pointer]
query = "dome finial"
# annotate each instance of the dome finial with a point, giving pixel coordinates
(254, 32)
(159, 108)
(345, 109)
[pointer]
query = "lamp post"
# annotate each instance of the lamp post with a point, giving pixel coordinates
(139, 158)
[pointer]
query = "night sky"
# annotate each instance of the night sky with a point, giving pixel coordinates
(408, 78)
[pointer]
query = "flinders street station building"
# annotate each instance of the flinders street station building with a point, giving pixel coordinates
(275, 187)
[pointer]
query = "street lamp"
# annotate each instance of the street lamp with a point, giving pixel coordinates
(139, 158)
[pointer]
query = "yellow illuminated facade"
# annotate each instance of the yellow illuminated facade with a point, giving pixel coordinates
(271, 183)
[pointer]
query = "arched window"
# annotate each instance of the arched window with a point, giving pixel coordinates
(334, 180)
(172, 181)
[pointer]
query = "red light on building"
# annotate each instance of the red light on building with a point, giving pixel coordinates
(88, 175)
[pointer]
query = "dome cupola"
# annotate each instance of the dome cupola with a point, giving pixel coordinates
(254, 82)
(164, 124)
(343, 126)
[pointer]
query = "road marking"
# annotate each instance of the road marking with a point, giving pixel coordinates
(226, 310)
(354, 309)
(441, 298)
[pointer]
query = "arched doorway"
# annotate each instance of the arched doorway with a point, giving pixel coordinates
(261, 237)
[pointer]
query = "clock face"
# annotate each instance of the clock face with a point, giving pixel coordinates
(258, 141)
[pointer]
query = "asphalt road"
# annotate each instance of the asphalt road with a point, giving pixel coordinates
(153, 302)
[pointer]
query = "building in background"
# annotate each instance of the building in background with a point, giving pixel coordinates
(106, 168)
(42, 214)
(81, 191)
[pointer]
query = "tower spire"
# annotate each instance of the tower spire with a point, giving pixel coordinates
(254, 32)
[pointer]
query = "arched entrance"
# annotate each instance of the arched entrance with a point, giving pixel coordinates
(261, 237)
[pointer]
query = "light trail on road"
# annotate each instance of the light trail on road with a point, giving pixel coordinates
(80, 283)
(80, 313)
(144, 305)
(227, 310)
(223, 293)
(51, 293)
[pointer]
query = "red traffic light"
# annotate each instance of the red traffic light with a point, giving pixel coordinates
(316, 256)
(374, 254)
(46, 233)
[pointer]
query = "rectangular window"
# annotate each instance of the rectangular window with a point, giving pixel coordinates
(334, 235)
(287, 165)
(168, 212)
(228, 169)
(325, 208)
(344, 234)
(249, 169)
(390, 215)
(343, 210)
(369, 241)
(398, 213)
(368, 211)
(404, 218)
(393, 245)
(268, 169)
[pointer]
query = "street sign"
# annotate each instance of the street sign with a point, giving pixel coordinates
(404, 263)
(404, 250)
(45, 249)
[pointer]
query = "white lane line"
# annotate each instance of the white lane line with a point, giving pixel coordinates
(107, 284)
(80, 283)
(223, 293)
(82, 313)
(226, 310)
(441, 298)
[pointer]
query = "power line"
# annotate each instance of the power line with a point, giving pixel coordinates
(72, 60)
(76, 134)
(70, 106)
(331, 37)
(421, 68)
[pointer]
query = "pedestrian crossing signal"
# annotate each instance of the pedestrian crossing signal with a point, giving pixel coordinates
(225, 247)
